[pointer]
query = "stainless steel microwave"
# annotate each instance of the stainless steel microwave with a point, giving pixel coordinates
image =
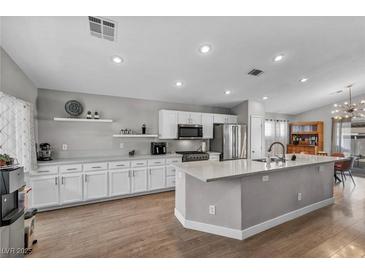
(189, 132)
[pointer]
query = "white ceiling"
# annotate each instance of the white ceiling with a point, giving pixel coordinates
(59, 53)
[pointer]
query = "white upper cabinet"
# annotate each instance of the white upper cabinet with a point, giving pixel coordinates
(232, 119)
(169, 119)
(189, 118)
(207, 122)
(225, 119)
(167, 126)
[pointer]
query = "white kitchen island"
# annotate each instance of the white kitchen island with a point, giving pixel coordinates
(241, 198)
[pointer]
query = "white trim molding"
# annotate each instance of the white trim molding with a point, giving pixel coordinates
(253, 230)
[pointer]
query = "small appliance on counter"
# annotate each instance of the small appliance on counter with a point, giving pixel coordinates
(189, 156)
(44, 153)
(12, 212)
(158, 148)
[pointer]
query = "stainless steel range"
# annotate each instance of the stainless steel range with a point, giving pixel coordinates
(189, 156)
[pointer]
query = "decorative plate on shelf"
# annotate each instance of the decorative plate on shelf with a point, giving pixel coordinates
(74, 108)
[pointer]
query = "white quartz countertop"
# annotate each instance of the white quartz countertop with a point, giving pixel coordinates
(208, 171)
(106, 159)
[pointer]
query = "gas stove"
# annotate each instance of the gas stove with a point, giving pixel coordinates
(189, 156)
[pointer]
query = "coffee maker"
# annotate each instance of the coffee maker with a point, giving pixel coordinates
(44, 152)
(12, 212)
(158, 148)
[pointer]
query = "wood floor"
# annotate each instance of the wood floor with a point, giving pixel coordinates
(146, 227)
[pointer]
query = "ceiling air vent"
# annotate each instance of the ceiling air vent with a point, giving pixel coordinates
(255, 72)
(102, 28)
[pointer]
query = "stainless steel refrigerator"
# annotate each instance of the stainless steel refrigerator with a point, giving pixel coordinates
(230, 140)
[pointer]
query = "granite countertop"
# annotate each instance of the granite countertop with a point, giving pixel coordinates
(208, 171)
(106, 159)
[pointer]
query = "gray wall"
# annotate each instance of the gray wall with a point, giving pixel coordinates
(13, 80)
(95, 139)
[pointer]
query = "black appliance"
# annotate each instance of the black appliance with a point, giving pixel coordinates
(44, 152)
(158, 148)
(12, 211)
(189, 132)
(189, 156)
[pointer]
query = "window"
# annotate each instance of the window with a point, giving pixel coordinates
(276, 131)
(17, 130)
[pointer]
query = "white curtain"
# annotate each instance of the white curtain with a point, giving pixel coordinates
(17, 130)
(276, 131)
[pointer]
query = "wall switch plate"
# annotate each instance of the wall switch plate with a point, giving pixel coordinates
(212, 209)
(299, 196)
(265, 178)
(64, 147)
(121, 145)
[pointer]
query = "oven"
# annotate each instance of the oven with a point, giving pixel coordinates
(189, 132)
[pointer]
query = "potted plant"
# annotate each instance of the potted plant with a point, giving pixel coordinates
(5, 160)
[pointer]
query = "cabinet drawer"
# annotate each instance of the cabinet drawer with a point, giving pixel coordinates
(120, 164)
(214, 157)
(139, 163)
(170, 181)
(173, 161)
(45, 170)
(170, 171)
(95, 166)
(70, 168)
(156, 162)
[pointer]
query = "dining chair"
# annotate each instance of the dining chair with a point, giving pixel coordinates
(344, 167)
(337, 154)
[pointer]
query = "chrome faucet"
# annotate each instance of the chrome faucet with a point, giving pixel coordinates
(281, 144)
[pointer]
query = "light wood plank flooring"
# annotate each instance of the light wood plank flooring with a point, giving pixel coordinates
(146, 227)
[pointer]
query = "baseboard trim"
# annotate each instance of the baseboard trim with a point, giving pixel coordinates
(208, 228)
(253, 230)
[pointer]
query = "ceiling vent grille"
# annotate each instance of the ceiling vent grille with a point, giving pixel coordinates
(255, 72)
(102, 28)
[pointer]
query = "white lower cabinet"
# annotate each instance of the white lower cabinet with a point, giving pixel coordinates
(139, 179)
(96, 185)
(170, 181)
(156, 177)
(120, 182)
(71, 188)
(45, 191)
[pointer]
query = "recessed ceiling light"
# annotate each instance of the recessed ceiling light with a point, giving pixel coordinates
(227, 92)
(303, 80)
(117, 59)
(278, 57)
(179, 84)
(205, 49)
(265, 98)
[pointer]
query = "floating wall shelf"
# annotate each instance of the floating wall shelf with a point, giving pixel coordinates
(82, 120)
(135, 135)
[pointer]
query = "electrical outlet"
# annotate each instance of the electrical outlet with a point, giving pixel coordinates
(121, 145)
(299, 196)
(265, 178)
(64, 147)
(212, 209)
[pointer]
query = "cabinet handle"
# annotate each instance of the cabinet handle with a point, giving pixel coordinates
(134, 173)
(56, 180)
(150, 171)
(120, 165)
(72, 168)
(129, 173)
(139, 164)
(43, 171)
(96, 167)
(85, 178)
(62, 180)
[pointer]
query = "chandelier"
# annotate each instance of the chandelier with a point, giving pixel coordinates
(349, 109)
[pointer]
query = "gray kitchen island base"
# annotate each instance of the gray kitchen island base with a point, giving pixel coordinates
(241, 206)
